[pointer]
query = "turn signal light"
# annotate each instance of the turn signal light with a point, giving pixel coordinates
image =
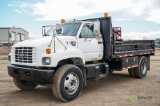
(48, 50)
(105, 15)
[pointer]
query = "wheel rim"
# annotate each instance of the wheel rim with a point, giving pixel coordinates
(71, 83)
(143, 67)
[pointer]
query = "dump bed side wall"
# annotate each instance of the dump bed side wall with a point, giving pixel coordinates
(135, 47)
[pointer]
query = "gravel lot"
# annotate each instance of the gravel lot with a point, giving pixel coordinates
(116, 90)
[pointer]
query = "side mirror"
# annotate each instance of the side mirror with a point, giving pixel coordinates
(59, 30)
(97, 33)
(46, 28)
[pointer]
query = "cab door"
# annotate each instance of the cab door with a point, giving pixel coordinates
(89, 44)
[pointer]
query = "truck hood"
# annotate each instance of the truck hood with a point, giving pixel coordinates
(43, 41)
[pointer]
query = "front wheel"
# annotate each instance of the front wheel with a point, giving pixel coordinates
(24, 85)
(67, 83)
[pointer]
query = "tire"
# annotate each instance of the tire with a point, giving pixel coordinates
(111, 71)
(141, 70)
(24, 85)
(131, 72)
(67, 83)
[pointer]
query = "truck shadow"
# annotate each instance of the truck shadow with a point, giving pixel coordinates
(110, 83)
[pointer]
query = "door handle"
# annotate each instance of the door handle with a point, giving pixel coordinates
(99, 42)
(87, 39)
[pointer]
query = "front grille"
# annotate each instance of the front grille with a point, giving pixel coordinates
(24, 54)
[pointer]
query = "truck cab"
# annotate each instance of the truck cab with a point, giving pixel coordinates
(73, 42)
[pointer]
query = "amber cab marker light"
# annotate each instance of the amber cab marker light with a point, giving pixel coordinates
(62, 20)
(48, 50)
(105, 15)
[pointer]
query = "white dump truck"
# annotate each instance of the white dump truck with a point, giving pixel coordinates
(72, 52)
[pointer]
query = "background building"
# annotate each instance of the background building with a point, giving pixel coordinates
(12, 35)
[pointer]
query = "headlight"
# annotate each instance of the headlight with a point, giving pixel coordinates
(46, 60)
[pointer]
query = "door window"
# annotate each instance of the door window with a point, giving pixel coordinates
(87, 31)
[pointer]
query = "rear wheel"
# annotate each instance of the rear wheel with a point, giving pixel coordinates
(67, 83)
(141, 70)
(131, 72)
(24, 85)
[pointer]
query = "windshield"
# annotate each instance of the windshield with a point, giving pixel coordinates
(69, 29)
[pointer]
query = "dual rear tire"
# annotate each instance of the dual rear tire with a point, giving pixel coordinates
(141, 70)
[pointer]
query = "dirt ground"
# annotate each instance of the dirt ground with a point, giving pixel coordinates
(116, 90)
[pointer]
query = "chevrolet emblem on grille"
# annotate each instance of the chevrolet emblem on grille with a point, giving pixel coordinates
(22, 55)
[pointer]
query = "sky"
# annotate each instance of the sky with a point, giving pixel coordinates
(139, 19)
